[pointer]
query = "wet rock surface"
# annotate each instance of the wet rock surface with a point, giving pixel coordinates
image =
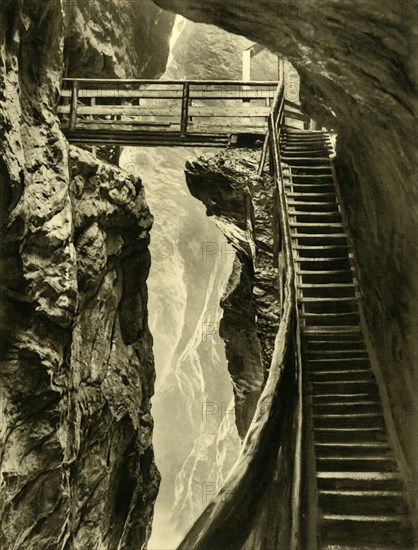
(241, 205)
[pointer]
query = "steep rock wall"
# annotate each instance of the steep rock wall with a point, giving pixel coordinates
(76, 376)
(116, 39)
(241, 205)
(356, 60)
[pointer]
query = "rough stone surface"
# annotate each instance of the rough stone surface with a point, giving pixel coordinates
(356, 59)
(116, 39)
(241, 205)
(76, 374)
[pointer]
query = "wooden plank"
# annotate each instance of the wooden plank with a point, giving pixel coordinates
(99, 123)
(231, 94)
(168, 111)
(289, 103)
(126, 94)
(227, 111)
(295, 115)
(124, 110)
(228, 128)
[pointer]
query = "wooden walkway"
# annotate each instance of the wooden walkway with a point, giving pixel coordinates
(168, 112)
(350, 485)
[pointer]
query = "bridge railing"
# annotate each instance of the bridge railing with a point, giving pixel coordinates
(190, 106)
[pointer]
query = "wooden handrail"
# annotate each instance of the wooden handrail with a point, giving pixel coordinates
(253, 83)
(275, 126)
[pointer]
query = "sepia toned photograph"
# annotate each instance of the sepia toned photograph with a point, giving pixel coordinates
(208, 275)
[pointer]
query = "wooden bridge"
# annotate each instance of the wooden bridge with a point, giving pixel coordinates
(168, 112)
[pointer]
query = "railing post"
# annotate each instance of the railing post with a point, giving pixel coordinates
(74, 104)
(185, 108)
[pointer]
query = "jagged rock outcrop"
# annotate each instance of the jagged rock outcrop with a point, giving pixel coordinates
(356, 60)
(116, 39)
(76, 376)
(241, 204)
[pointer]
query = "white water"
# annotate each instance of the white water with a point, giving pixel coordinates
(195, 442)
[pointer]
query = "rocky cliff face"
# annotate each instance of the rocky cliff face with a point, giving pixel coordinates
(241, 205)
(356, 62)
(76, 463)
(116, 39)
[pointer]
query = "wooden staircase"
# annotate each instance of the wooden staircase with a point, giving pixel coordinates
(358, 490)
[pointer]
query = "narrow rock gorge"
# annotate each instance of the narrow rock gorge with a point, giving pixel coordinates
(77, 368)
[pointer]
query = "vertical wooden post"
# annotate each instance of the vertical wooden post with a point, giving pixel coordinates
(74, 104)
(281, 69)
(185, 108)
(246, 65)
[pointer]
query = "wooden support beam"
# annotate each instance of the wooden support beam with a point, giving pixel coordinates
(185, 109)
(74, 105)
(246, 65)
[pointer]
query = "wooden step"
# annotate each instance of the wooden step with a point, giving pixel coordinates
(324, 349)
(323, 272)
(356, 420)
(362, 502)
(318, 226)
(339, 299)
(306, 186)
(372, 480)
(357, 464)
(306, 151)
(344, 435)
(302, 189)
(339, 373)
(327, 285)
(384, 531)
(318, 320)
(313, 253)
(321, 263)
(312, 360)
(328, 290)
(313, 177)
(298, 141)
(332, 277)
(332, 307)
(341, 386)
(335, 354)
(311, 161)
(348, 407)
(313, 206)
(304, 168)
(317, 151)
(342, 397)
(317, 218)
